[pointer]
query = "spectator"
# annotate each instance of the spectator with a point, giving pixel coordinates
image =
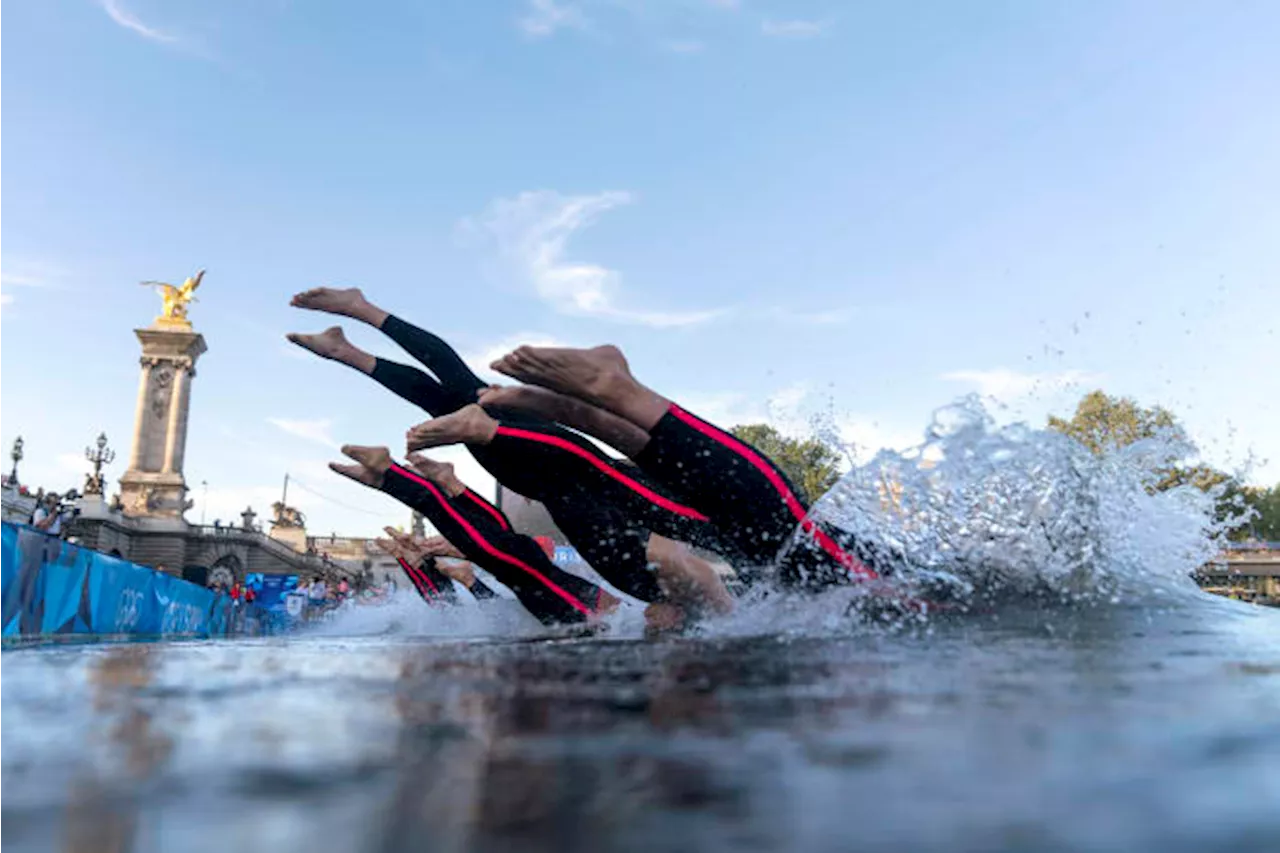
(250, 595)
(235, 592)
(46, 516)
(318, 592)
(344, 588)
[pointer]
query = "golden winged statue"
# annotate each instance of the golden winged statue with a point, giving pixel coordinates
(176, 300)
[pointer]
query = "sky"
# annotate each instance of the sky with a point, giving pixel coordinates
(774, 208)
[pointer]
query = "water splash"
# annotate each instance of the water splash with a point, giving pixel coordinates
(986, 511)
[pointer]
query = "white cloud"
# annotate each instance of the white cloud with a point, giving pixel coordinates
(5, 299)
(685, 46)
(795, 29)
(129, 21)
(1004, 385)
(316, 430)
(544, 17)
(532, 231)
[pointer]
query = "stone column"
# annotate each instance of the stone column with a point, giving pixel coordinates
(134, 458)
(154, 486)
(175, 436)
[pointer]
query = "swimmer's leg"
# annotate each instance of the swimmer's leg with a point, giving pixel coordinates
(599, 376)
(437, 356)
(733, 483)
(615, 431)
(406, 382)
(469, 425)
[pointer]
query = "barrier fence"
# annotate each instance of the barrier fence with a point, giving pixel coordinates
(52, 587)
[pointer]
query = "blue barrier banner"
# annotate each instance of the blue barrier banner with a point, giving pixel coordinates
(52, 587)
(273, 590)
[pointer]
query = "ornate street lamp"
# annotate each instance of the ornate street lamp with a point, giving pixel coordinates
(16, 456)
(94, 484)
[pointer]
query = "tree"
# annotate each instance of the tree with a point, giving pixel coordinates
(812, 466)
(1105, 423)
(1265, 525)
(1102, 422)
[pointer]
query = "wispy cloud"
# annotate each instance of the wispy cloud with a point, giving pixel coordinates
(532, 232)
(1005, 385)
(725, 4)
(794, 29)
(317, 430)
(543, 18)
(130, 21)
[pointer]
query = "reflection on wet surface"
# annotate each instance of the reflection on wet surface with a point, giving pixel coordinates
(1098, 730)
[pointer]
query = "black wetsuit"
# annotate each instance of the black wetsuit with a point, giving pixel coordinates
(606, 508)
(432, 584)
(435, 587)
(484, 537)
(748, 497)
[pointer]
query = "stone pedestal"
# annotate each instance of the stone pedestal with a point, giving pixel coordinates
(153, 486)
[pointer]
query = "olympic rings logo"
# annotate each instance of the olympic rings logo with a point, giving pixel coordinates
(128, 609)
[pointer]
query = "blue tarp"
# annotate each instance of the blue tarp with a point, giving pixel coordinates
(52, 587)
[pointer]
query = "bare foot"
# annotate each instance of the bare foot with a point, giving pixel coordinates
(331, 300)
(599, 375)
(614, 430)
(376, 459)
(524, 398)
(463, 573)
(469, 425)
(330, 343)
(438, 546)
(440, 473)
(359, 473)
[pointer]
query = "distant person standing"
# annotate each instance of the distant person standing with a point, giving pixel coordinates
(318, 592)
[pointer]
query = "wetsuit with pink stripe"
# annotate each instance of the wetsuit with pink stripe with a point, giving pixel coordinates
(435, 587)
(431, 583)
(551, 594)
(605, 507)
(748, 497)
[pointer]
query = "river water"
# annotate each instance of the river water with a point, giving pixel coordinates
(1107, 727)
(1080, 695)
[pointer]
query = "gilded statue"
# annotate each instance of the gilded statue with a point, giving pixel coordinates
(176, 300)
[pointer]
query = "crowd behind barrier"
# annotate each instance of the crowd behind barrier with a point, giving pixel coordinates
(53, 587)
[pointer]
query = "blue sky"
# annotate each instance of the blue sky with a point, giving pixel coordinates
(772, 207)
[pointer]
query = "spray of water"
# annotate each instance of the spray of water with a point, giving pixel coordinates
(980, 511)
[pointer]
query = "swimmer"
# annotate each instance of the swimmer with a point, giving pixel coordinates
(610, 512)
(421, 560)
(552, 595)
(733, 483)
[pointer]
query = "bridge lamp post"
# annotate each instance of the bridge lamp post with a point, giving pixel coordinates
(102, 455)
(16, 456)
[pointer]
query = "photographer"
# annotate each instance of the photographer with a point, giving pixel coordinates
(52, 516)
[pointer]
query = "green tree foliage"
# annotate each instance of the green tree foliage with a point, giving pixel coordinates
(1265, 503)
(1102, 422)
(812, 466)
